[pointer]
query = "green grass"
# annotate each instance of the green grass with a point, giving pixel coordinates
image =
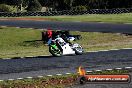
(111, 18)
(22, 42)
(92, 41)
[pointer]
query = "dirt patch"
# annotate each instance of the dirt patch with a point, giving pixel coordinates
(41, 83)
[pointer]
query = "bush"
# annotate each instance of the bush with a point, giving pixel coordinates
(34, 5)
(7, 8)
(79, 8)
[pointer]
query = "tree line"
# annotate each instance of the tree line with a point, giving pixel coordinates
(36, 5)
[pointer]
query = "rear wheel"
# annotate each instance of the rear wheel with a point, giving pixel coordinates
(55, 51)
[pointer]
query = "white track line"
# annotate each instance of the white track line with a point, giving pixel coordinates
(28, 56)
(40, 76)
(109, 69)
(49, 75)
(93, 51)
(58, 74)
(68, 73)
(98, 70)
(6, 58)
(19, 78)
(21, 57)
(109, 50)
(103, 50)
(118, 68)
(17, 27)
(10, 79)
(127, 48)
(89, 71)
(114, 49)
(29, 77)
(1, 80)
(128, 67)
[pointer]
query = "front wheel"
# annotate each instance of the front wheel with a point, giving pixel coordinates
(55, 51)
(78, 49)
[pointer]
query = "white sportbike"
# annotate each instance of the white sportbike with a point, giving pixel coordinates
(59, 47)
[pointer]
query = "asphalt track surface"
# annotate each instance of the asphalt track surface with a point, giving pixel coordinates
(75, 26)
(48, 65)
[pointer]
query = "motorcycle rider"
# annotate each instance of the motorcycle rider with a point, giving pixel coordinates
(52, 35)
(60, 40)
(49, 35)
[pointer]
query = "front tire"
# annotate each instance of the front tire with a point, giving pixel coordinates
(78, 50)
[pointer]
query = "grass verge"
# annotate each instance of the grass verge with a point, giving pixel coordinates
(52, 82)
(23, 42)
(110, 18)
(45, 82)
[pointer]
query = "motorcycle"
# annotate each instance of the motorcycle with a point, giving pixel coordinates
(59, 47)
